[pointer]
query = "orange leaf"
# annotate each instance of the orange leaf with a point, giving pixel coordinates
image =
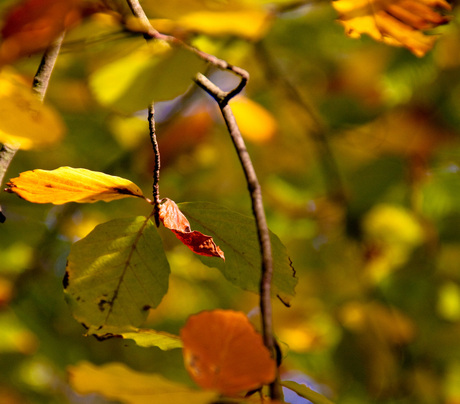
(173, 219)
(67, 184)
(223, 352)
(33, 25)
(395, 22)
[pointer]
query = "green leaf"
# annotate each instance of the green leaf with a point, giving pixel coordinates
(155, 72)
(116, 273)
(116, 381)
(146, 338)
(306, 392)
(236, 234)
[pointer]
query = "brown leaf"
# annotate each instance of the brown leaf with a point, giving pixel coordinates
(173, 219)
(395, 22)
(33, 25)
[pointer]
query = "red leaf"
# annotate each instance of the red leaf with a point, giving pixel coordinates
(173, 219)
(33, 25)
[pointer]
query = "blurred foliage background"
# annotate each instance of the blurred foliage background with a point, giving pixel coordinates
(356, 145)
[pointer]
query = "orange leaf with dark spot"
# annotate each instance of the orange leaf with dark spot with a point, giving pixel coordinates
(223, 352)
(173, 219)
(33, 25)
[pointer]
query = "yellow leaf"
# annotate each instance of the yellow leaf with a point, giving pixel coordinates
(24, 120)
(116, 381)
(67, 184)
(223, 352)
(252, 24)
(394, 22)
(254, 121)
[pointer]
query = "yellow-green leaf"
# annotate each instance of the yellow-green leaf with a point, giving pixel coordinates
(24, 120)
(142, 337)
(116, 381)
(67, 184)
(395, 22)
(304, 391)
(155, 72)
(117, 273)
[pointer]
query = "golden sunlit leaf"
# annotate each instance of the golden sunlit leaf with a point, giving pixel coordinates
(173, 219)
(254, 121)
(395, 22)
(24, 120)
(32, 25)
(223, 352)
(116, 381)
(67, 184)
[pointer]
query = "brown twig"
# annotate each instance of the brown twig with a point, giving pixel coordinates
(39, 87)
(156, 169)
(317, 130)
(255, 192)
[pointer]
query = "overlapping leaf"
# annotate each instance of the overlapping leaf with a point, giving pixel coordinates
(223, 352)
(237, 235)
(395, 22)
(173, 219)
(67, 184)
(116, 381)
(24, 119)
(154, 72)
(117, 273)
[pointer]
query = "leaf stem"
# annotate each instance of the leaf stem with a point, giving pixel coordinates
(255, 192)
(156, 169)
(39, 87)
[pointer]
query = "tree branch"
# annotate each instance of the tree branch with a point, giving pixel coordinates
(222, 99)
(255, 192)
(318, 132)
(39, 86)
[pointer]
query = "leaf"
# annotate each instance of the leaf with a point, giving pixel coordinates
(32, 25)
(254, 121)
(223, 352)
(142, 337)
(173, 219)
(154, 72)
(116, 273)
(24, 119)
(237, 235)
(394, 22)
(306, 392)
(67, 184)
(116, 381)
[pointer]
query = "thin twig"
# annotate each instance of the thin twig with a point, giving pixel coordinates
(39, 86)
(255, 191)
(156, 169)
(317, 131)
(150, 32)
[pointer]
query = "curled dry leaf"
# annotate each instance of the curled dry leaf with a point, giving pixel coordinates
(223, 352)
(173, 219)
(395, 22)
(33, 25)
(67, 184)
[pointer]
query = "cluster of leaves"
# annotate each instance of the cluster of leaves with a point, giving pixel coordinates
(359, 240)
